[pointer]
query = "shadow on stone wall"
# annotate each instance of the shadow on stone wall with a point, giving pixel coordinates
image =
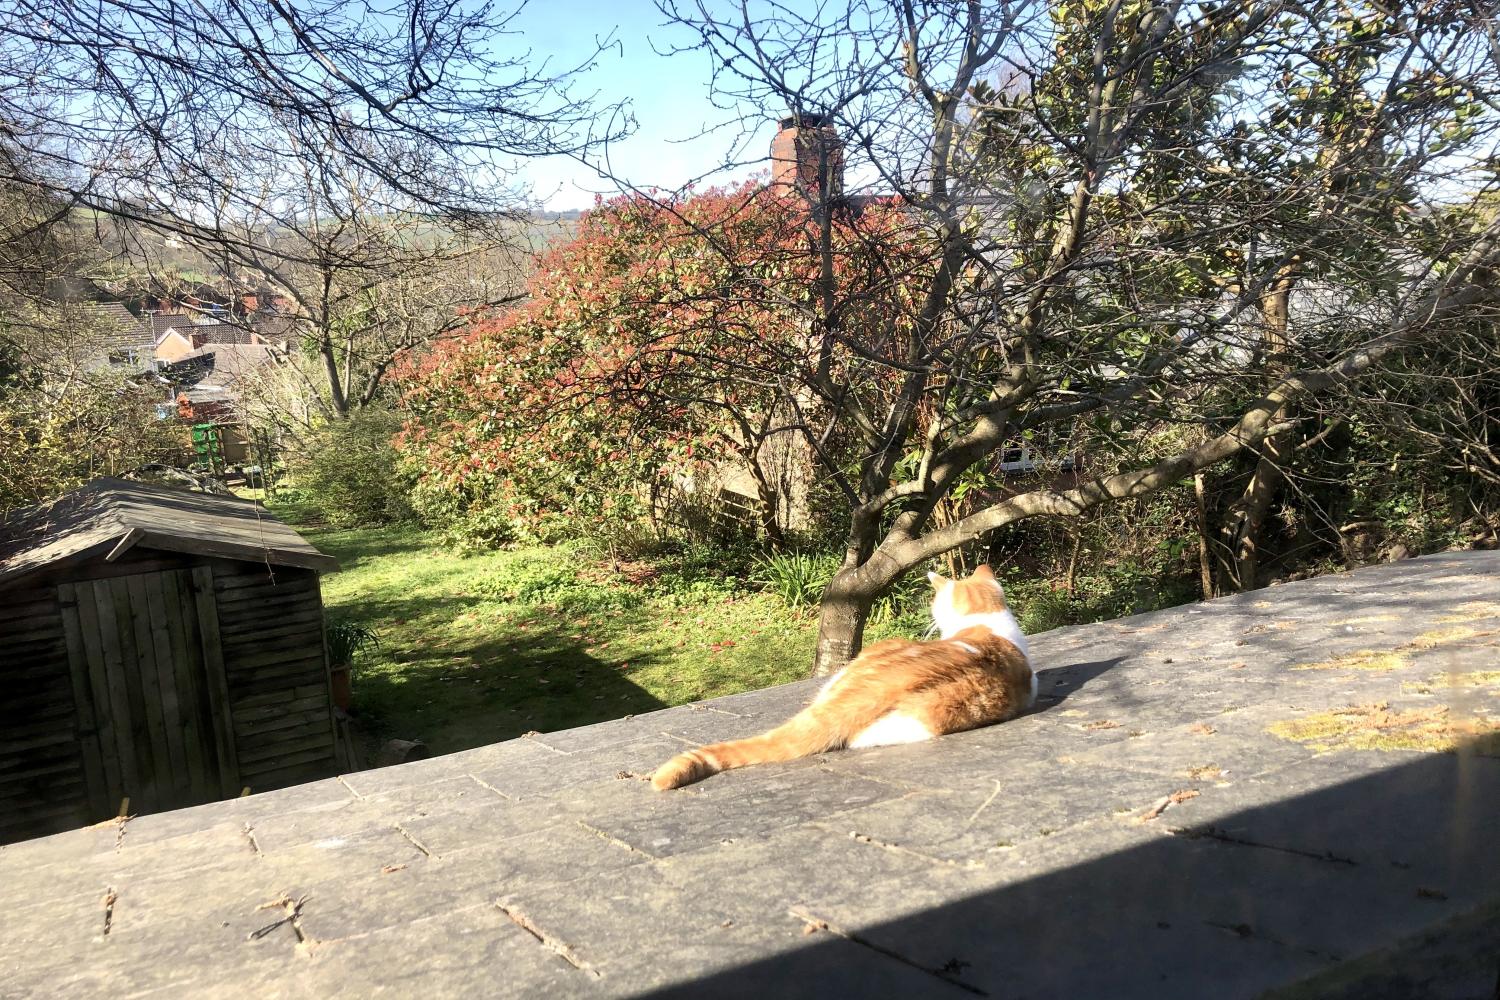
(1383, 886)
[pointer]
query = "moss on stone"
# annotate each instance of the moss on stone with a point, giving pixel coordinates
(1455, 680)
(1363, 659)
(1472, 611)
(1444, 636)
(1386, 660)
(1378, 727)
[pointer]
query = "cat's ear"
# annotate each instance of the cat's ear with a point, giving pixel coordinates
(937, 580)
(984, 573)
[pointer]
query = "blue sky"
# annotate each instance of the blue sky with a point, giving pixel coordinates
(669, 98)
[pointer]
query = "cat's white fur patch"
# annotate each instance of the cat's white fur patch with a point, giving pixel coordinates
(1002, 623)
(827, 689)
(890, 729)
(967, 647)
(950, 622)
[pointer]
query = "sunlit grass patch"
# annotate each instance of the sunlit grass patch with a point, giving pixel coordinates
(476, 648)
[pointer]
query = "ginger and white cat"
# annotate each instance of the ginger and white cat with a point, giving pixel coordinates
(898, 690)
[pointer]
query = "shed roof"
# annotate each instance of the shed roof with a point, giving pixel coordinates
(109, 513)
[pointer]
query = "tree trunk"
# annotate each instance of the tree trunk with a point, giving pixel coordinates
(1205, 563)
(1071, 580)
(841, 623)
(766, 495)
(336, 397)
(1248, 516)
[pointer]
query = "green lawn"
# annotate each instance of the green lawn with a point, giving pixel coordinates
(480, 648)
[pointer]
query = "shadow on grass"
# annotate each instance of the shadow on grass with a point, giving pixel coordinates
(525, 674)
(355, 548)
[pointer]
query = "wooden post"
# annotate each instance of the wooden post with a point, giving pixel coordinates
(90, 720)
(218, 687)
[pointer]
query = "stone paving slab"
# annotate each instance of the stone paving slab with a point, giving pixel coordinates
(1143, 833)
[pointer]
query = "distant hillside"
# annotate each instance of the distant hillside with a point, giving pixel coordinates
(120, 271)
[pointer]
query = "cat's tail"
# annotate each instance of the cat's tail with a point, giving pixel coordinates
(829, 723)
(803, 735)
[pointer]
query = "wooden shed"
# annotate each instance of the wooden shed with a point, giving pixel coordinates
(156, 645)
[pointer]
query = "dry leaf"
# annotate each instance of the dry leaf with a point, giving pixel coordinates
(1162, 804)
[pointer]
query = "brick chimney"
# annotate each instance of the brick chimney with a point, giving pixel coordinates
(806, 154)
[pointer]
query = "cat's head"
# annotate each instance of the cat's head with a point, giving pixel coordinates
(977, 594)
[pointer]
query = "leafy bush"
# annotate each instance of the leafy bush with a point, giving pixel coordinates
(347, 638)
(350, 471)
(1040, 608)
(462, 521)
(56, 433)
(530, 580)
(798, 578)
(907, 605)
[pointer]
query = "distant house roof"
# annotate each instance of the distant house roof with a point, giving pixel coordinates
(162, 323)
(109, 514)
(220, 333)
(273, 325)
(110, 328)
(199, 331)
(213, 372)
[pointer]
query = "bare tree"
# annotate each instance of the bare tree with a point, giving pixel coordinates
(1223, 218)
(336, 149)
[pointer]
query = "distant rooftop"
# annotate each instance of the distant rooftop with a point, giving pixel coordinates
(217, 371)
(1216, 801)
(113, 327)
(161, 323)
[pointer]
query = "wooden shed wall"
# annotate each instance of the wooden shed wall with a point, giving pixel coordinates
(270, 639)
(41, 772)
(271, 630)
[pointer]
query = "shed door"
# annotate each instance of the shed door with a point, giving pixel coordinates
(148, 679)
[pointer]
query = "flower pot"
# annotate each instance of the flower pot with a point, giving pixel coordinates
(343, 689)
